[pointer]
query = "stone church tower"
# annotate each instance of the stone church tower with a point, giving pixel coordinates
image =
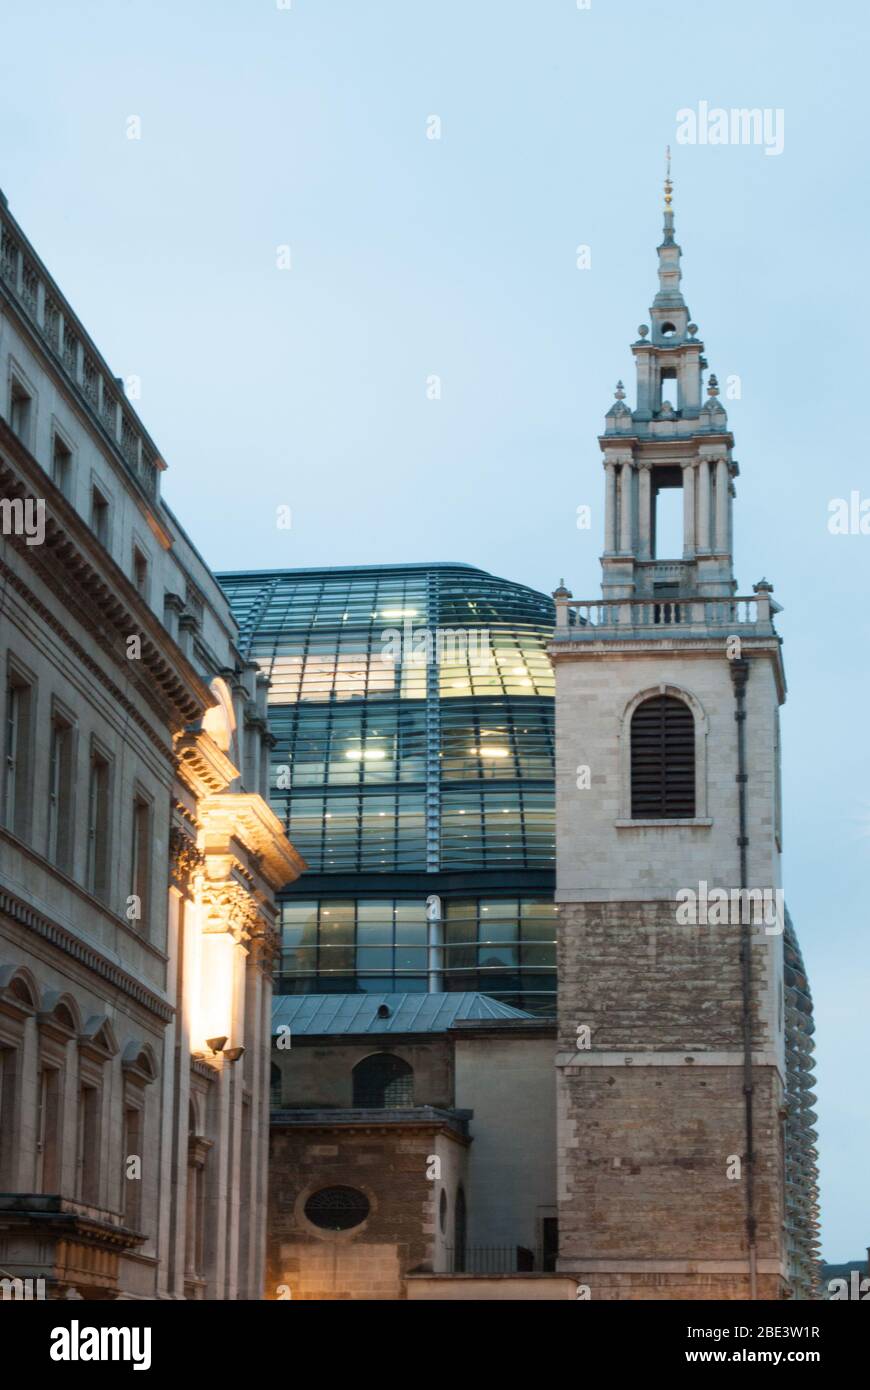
(686, 1147)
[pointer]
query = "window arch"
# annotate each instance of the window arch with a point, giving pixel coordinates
(662, 759)
(383, 1082)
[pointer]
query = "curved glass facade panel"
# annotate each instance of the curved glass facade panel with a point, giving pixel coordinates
(412, 709)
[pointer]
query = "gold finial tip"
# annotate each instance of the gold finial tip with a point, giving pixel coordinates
(669, 187)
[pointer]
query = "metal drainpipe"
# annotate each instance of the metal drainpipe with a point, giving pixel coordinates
(739, 676)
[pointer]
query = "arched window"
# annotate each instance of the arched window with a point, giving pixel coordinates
(662, 760)
(383, 1082)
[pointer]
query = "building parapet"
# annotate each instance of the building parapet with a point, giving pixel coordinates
(583, 620)
(74, 353)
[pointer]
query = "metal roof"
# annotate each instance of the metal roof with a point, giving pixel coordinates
(321, 1015)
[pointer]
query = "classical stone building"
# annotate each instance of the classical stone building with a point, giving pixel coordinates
(138, 857)
(685, 1124)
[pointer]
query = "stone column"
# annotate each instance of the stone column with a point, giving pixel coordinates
(644, 510)
(688, 510)
(169, 1117)
(722, 503)
(703, 507)
(626, 517)
(609, 507)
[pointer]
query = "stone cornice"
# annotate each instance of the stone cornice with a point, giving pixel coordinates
(96, 591)
(201, 764)
(652, 444)
(93, 960)
(247, 818)
(703, 645)
(14, 580)
(143, 468)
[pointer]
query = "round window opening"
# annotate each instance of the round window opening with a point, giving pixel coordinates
(337, 1208)
(442, 1210)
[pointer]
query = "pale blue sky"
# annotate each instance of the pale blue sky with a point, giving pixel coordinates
(307, 127)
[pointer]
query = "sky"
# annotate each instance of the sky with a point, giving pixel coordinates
(329, 310)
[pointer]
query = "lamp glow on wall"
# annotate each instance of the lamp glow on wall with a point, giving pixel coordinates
(216, 976)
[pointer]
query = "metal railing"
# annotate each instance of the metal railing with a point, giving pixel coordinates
(490, 1259)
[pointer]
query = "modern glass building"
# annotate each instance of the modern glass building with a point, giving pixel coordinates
(412, 710)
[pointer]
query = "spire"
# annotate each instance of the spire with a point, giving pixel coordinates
(669, 198)
(669, 300)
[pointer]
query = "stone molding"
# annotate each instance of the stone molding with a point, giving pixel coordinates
(26, 916)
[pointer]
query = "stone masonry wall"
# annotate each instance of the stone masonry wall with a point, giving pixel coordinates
(389, 1165)
(644, 1143)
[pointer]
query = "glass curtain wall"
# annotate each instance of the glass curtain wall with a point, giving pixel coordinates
(412, 709)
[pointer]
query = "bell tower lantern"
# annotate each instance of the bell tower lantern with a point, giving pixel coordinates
(670, 440)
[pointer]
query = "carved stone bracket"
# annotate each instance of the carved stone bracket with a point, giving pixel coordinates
(184, 858)
(229, 907)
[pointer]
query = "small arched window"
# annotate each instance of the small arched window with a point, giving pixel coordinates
(383, 1082)
(662, 760)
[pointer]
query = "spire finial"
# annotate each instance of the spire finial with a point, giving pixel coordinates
(669, 187)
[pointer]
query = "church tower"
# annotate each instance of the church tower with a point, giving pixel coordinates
(683, 1124)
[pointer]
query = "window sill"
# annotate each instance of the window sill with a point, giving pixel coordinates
(697, 821)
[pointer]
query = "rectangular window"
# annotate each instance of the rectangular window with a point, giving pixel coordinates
(18, 756)
(100, 516)
(8, 1063)
(141, 859)
(87, 1146)
(61, 466)
(47, 1130)
(20, 411)
(60, 793)
(98, 824)
(140, 571)
(131, 1172)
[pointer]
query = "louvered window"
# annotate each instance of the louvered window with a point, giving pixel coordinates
(662, 760)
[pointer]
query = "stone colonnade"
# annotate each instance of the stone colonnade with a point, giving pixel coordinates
(629, 504)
